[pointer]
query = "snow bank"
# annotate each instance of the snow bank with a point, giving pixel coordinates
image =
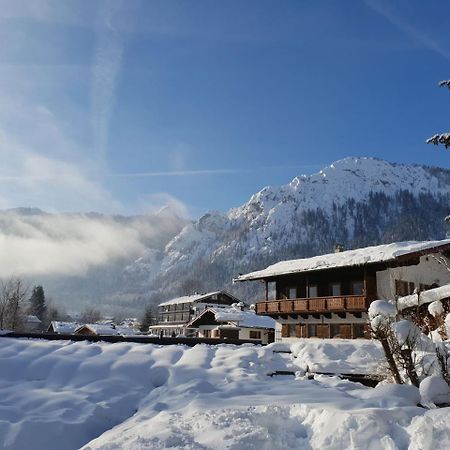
(338, 355)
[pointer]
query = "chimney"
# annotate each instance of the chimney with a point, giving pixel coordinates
(338, 248)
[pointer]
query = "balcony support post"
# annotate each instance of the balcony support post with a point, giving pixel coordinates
(266, 286)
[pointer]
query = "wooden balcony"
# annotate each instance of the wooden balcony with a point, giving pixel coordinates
(346, 303)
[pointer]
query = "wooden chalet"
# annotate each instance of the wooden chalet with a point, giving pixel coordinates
(329, 295)
(233, 323)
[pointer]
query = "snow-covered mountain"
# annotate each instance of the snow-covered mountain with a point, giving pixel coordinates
(353, 202)
(117, 262)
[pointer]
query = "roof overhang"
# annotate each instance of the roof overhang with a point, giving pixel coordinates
(410, 254)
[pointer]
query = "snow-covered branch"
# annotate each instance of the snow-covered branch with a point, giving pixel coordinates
(437, 139)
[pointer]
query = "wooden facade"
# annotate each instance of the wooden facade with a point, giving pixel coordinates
(327, 330)
(323, 304)
(350, 303)
(329, 295)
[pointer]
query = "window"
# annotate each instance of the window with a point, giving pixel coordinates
(424, 287)
(312, 330)
(292, 292)
(357, 288)
(359, 330)
(403, 288)
(335, 289)
(291, 330)
(335, 330)
(255, 334)
(312, 291)
(206, 333)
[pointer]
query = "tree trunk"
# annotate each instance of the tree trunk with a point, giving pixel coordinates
(390, 359)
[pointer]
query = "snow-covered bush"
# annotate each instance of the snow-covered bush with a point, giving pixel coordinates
(409, 353)
(382, 308)
(434, 390)
(381, 316)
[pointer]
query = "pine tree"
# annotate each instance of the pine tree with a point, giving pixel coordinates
(443, 138)
(148, 319)
(38, 307)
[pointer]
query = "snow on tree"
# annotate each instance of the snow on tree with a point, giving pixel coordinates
(442, 138)
(436, 308)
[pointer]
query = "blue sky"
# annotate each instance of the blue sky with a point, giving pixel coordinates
(124, 106)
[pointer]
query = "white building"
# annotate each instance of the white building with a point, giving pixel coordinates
(175, 314)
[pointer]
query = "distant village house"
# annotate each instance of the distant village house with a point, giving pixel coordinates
(175, 314)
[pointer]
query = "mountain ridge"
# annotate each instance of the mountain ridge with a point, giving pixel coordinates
(353, 201)
(356, 201)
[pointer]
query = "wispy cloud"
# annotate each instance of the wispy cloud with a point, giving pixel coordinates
(230, 171)
(41, 165)
(107, 63)
(404, 26)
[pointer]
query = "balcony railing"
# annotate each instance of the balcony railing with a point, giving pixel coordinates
(346, 303)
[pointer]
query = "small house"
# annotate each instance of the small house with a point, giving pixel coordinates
(104, 329)
(233, 323)
(62, 327)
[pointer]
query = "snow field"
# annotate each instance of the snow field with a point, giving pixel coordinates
(66, 395)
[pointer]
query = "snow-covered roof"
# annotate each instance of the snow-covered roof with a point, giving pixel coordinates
(246, 319)
(64, 327)
(107, 329)
(192, 298)
(101, 329)
(32, 319)
(357, 257)
(424, 297)
(126, 331)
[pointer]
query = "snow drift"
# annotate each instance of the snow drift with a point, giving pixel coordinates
(62, 395)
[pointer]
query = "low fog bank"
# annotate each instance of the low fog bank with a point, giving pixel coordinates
(79, 258)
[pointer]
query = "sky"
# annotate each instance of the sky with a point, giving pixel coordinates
(126, 106)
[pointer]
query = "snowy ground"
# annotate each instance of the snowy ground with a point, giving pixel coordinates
(64, 395)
